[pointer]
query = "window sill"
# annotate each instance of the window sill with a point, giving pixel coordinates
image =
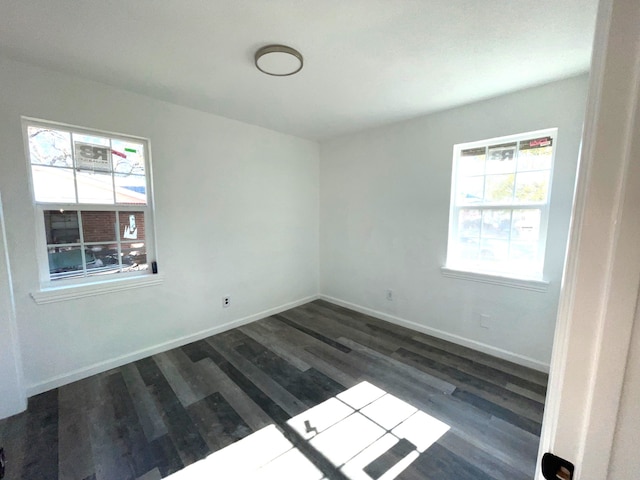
(62, 294)
(521, 283)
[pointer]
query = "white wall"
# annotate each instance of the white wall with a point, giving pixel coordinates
(384, 207)
(236, 214)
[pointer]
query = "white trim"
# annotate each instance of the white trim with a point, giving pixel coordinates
(79, 129)
(600, 286)
(100, 367)
(521, 283)
(450, 337)
(12, 403)
(72, 292)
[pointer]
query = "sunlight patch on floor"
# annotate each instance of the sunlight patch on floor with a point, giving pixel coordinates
(365, 432)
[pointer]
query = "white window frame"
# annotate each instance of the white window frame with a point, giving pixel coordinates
(457, 268)
(64, 289)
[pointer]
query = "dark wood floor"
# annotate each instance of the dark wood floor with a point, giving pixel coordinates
(154, 417)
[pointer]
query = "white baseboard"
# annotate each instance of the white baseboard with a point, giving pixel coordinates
(100, 367)
(450, 337)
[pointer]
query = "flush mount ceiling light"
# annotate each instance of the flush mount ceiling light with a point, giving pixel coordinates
(278, 60)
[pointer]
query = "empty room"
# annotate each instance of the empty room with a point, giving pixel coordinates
(318, 240)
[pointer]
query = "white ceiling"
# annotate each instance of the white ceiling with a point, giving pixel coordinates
(367, 62)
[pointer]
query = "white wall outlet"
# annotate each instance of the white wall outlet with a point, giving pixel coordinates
(226, 301)
(390, 295)
(484, 320)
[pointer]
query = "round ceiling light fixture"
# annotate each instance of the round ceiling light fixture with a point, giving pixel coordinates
(278, 60)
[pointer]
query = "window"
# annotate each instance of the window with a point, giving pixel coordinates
(93, 203)
(500, 205)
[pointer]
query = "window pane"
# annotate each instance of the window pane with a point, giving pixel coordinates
(53, 185)
(94, 187)
(526, 225)
(501, 158)
(61, 227)
(467, 250)
(471, 164)
(499, 188)
(470, 190)
(524, 255)
(91, 157)
(99, 226)
(131, 225)
(134, 256)
(102, 259)
(535, 159)
(496, 223)
(49, 147)
(127, 157)
(493, 252)
(469, 223)
(131, 189)
(65, 262)
(92, 139)
(532, 187)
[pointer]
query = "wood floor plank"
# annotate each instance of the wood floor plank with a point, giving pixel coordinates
(41, 458)
(193, 375)
(135, 449)
(459, 362)
(401, 369)
(218, 423)
(273, 389)
(204, 350)
(266, 360)
(525, 392)
(75, 460)
(392, 375)
(274, 410)
(489, 464)
(312, 333)
(165, 455)
(311, 387)
(480, 429)
(314, 387)
(498, 411)
(144, 404)
(343, 324)
(151, 475)
(295, 342)
(248, 410)
(180, 385)
(151, 418)
(13, 439)
(275, 345)
(501, 396)
(189, 443)
(335, 326)
(480, 357)
(106, 442)
(438, 463)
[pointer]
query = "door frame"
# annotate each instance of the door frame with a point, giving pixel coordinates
(14, 399)
(602, 272)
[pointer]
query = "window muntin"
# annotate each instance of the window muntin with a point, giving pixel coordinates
(499, 204)
(92, 197)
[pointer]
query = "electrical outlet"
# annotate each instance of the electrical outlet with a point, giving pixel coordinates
(484, 320)
(390, 295)
(226, 301)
